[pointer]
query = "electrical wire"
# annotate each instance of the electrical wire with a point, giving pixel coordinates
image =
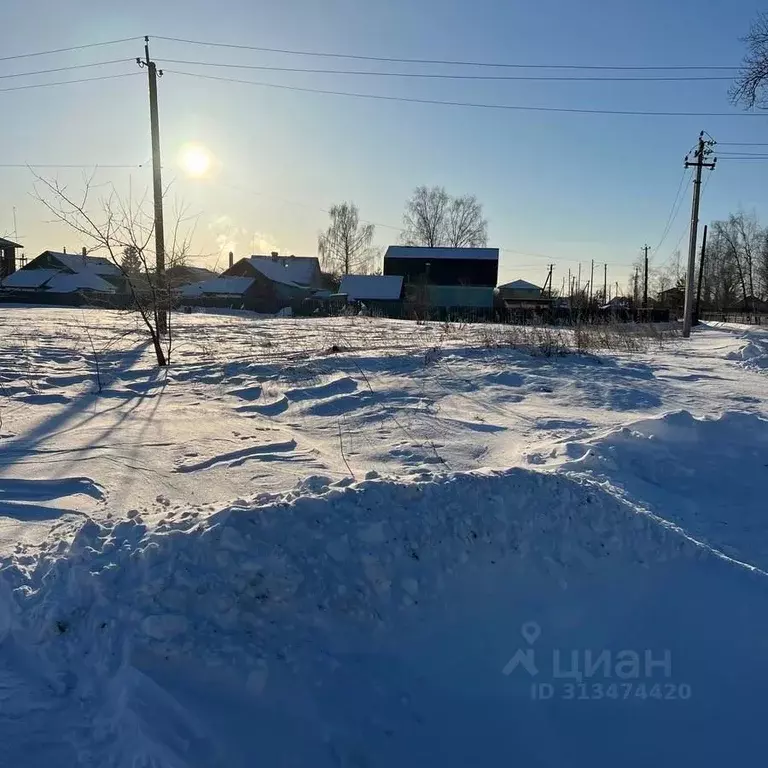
(64, 69)
(443, 76)
(742, 143)
(448, 62)
(414, 100)
(68, 82)
(673, 211)
(70, 48)
(70, 165)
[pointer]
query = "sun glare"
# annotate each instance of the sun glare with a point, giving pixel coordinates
(195, 160)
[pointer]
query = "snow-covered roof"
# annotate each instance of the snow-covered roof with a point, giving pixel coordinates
(230, 286)
(381, 287)
(291, 270)
(96, 265)
(29, 278)
(520, 285)
(418, 252)
(61, 282)
(56, 281)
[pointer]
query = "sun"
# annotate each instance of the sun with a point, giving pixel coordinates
(195, 159)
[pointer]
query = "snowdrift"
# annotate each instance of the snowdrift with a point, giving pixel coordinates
(709, 476)
(376, 624)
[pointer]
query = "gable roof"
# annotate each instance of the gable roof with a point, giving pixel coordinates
(78, 263)
(56, 281)
(291, 270)
(520, 285)
(229, 286)
(420, 252)
(372, 287)
(8, 244)
(29, 278)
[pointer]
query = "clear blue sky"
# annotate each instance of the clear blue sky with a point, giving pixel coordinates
(573, 187)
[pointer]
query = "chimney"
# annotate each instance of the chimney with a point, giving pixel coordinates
(274, 255)
(65, 249)
(231, 259)
(85, 252)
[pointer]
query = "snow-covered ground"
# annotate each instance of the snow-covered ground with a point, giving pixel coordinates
(322, 542)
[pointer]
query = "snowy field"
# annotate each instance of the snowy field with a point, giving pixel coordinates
(315, 542)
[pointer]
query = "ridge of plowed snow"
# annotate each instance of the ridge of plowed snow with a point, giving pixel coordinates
(707, 475)
(265, 590)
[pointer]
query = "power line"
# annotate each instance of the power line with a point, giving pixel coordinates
(70, 165)
(64, 69)
(511, 107)
(443, 76)
(742, 143)
(449, 62)
(70, 48)
(673, 211)
(68, 82)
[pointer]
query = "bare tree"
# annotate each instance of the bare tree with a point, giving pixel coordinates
(345, 247)
(750, 88)
(425, 218)
(433, 218)
(466, 227)
(114, 228)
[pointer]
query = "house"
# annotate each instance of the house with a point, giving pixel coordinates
(372, 289)
(183, 274)
(445, 277)
(303, 271)
(520, 294)
(7, 257)
(260, 283)
(672, 298)
(66, 273)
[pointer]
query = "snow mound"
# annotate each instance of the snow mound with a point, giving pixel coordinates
(753, 355)
(709, 476)
(140, 627)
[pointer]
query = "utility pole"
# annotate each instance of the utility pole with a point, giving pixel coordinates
(645, 279)
(157, 188)
(591, 280)
(570, 283)
(605, 283)
(548, 284)
(701, 271)
(703, 150)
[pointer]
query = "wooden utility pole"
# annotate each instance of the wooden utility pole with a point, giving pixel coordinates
(157, 188)
(645, 279)
(605, 283)
(703, 149)
(701, 272)
(591, 280)
(548, 284)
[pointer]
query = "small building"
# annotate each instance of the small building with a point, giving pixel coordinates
(520, 294)
(301, 271)
(672, 298)
(259, 283)
(7, 257)
(66, 273)
(445, 277)
(372, 289)
(183, 274)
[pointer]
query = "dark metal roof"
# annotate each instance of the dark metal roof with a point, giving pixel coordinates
(8, 244)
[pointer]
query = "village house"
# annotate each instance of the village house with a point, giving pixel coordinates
(66, 274)
(259, 283)
(445, 277)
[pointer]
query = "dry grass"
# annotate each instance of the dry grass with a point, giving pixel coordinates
(552, 341)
